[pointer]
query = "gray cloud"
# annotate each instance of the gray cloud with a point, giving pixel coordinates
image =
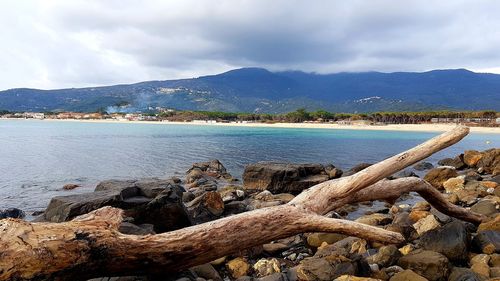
(57, 43)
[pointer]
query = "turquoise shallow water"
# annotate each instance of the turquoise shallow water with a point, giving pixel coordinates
(38, 157)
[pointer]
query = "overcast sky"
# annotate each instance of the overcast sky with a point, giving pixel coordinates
(61, 43)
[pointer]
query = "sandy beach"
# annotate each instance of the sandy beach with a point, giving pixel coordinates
(390, 127)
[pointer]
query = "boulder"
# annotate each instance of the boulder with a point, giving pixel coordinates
(63, 208)
(456, 162)
(490, 161)
(213, 168)
(487, 241)
(407, 275)
(327, 266)
(130, 228)
(431, 265)
(493, 224)
(451, 240)
(206, 271)
(464, 274)
(316, 239)
(375, 219)
(166, 211)
(12, 213)
(357, 168)
(437, 176)
(333, 172)
(280, 177)
(484, 207)
(206, 207)
(422, 166)
(151, 188)
(454, 184)
(472, 157)
(386, 256)
(479, 265)
(70, 186)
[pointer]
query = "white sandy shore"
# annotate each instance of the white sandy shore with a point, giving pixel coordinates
(391, 127)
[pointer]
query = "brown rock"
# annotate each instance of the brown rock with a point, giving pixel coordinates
(426, 224)
(375, 219)
(454, 184)
(70, 186)
(471, 157)
(354, 278)
(407, 275)
(316, 239)
(479, 264)
(431, 265)
(238, 267)
(416, 215)
(437, 176)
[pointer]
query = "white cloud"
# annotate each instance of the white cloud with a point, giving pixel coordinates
(57, 43)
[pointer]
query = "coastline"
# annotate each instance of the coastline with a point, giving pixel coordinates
(389, 127)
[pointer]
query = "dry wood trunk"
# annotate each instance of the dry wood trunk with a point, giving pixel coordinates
(91, 246)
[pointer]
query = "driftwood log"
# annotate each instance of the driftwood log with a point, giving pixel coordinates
(91, 245)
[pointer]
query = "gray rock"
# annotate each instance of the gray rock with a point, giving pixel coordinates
(431, 265)
(279, 177)
(152, 187)
(422, 166)
(12, 213)
(387, 255)
(356, 169)
(166, 211)
(487, 241)
(63, 208)
(456, 162)
(484, 207)
(464, 274)
(206, 271)
(451, 240)
(130, 228)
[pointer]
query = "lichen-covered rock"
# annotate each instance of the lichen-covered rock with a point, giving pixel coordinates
(454, 184)
(238, 267)
(264, 267)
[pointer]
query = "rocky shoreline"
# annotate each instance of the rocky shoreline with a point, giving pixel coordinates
(438, 247)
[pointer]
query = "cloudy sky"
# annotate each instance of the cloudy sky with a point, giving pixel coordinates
(60, 43)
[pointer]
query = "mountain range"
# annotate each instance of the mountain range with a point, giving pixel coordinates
(260, 90)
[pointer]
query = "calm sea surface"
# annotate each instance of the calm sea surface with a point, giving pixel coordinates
(38, 157)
